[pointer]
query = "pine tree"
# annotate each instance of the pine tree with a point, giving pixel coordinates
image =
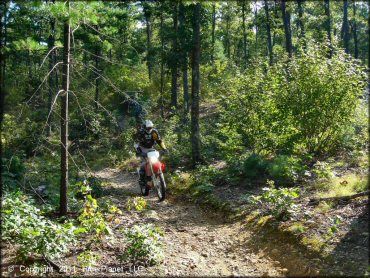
(195, 136)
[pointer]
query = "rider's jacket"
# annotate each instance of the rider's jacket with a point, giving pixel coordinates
(147, 140)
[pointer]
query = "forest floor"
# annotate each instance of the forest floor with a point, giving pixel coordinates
(197, 242)
(200, 241)
(322, 244)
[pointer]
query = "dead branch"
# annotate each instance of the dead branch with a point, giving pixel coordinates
(43, 61)
(34, 190)
(43, 81)
(51, 263)
(314, 201)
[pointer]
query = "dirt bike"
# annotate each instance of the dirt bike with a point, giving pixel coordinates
(154, 177)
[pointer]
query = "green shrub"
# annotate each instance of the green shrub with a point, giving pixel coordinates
(309, 105)
(96, 186)
(201, 190)
(90, 185)
(297, 228)
(144, 244)
(87, 259)
(285, 169)
(23, 224)
(322, 170)
(14, 166)
(278, 202)
(334, 227)
(22, 134)
(13, 170)
(254, 165)
(138, 203)
(92, 221)
(176, 135)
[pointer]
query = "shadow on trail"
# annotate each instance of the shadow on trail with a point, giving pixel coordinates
(351, 255)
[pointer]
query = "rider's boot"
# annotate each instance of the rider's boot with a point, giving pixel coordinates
(142, 178)
(149, 181)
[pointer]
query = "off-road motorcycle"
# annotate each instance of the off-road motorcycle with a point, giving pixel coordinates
(154, 177)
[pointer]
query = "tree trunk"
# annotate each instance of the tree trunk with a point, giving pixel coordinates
(84, 61)
(3, 40)
(345, 27)
(55, 59)
(2, 71)
(256, 27)
(276, 16)
(245, 62)
(184, 59)
(301, 24)
(147, 15)
(162, 67)
(51, 42)
(29, 66)
(328, 26)
(2, 87)
(228, 35)
(195, 137)
(64, 121)
(5, 36)
(368, 59)
(268, 29)
(213, 32)
(97, 76)
(287, 29)
(355, 30)
(174, 60)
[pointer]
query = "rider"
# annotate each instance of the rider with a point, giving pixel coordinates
(144, 141)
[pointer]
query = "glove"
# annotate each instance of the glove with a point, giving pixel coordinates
(138, 151)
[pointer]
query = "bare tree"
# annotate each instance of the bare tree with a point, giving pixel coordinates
(97, 72)
(52, 59)
(64, 119)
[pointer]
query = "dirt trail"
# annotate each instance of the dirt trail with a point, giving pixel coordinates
(198, 243)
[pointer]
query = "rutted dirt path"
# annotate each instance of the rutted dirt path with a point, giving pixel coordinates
(197, 242)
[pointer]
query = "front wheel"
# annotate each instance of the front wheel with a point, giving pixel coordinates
(161, 187)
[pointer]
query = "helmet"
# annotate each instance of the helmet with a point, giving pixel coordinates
(148, 126)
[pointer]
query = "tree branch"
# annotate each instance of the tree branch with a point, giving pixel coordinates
(314, 201)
